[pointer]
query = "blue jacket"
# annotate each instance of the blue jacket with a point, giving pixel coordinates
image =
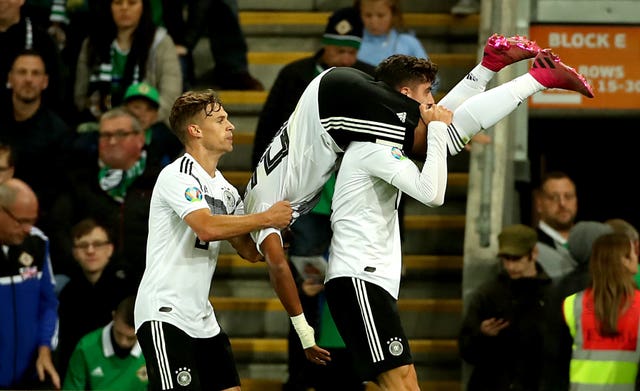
(28, 307)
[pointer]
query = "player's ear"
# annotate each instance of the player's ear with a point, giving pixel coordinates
(194, 130)
(405, 91)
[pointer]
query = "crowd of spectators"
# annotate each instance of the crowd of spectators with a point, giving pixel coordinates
(89, 89)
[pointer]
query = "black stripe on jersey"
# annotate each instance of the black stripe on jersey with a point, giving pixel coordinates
(375, 347)
(186, 165)
(455, 138)
(379, 129)
(353, 96)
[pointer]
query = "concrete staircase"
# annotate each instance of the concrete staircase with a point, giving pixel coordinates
(430, 296)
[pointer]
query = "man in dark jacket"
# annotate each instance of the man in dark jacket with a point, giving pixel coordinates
(114, 188)
(504, 331)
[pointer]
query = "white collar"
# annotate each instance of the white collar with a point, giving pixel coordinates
(555, 235)
(107, 346)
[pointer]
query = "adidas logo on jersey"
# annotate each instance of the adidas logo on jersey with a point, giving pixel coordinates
(402, 116)
(97, 371)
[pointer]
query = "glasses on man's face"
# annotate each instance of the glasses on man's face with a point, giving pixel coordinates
(19, 220)
(96, 244)
(118, 135)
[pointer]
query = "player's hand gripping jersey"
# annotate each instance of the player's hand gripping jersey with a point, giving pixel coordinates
(339, 106)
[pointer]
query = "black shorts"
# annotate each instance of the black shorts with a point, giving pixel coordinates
(368, 320)
(176, 361)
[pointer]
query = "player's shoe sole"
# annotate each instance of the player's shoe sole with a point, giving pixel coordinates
(549, 71)
(501, 51)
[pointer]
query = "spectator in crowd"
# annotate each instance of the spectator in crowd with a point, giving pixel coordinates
(95, 288)
(143, 101)
(603, 319)
(193, 209)
(226, 41)
(125, 47)
(581, 238)
(556, 203)
(580, 242)
(382, 37)
(624, 227)
(340, 44)
(505, 327)
(35, 133)
(114, 188)
(110, 357)
(19, 32)
(6, 162)
(28, 303)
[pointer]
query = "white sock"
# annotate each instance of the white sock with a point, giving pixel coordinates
(472, 84)
(484, 110)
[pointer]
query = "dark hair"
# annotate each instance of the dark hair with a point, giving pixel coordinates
(547, 176)
(188, 105)
(104, 31)
(125, 310)
(400, 69)
(29, 52)
(85, 226)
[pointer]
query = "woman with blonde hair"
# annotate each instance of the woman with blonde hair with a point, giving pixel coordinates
(604, 319)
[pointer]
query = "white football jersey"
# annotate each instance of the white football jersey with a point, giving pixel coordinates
(339, 106)
(366, 233)
(179, 267)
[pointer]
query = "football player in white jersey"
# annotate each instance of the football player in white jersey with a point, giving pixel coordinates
(343, 105)
(193, 208)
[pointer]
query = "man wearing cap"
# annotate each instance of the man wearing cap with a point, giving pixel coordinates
(506, 327)
(143, 101)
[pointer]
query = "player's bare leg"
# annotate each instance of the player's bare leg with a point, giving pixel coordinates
(403, 378)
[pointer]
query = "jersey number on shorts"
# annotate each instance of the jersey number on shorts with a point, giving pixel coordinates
(270, 161)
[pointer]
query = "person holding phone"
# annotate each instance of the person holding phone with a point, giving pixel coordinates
(506, 327)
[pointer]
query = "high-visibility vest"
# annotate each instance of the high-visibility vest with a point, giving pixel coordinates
(602, 363)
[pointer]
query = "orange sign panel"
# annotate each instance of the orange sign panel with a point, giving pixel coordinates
(608, 56)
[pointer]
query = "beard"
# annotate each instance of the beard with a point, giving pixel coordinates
(28, 97)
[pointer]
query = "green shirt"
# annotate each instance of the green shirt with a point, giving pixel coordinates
(95, 366)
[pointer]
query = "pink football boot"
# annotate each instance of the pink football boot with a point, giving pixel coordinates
(549, 71)
(501, 51)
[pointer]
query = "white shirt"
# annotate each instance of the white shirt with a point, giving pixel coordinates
(366, 234)
(339, 106)
(179, 267)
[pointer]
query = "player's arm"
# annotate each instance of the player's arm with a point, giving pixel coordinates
(209, 227)
(285, 287)
(246, 248)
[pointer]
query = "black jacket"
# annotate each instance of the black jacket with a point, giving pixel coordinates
(512, 360)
